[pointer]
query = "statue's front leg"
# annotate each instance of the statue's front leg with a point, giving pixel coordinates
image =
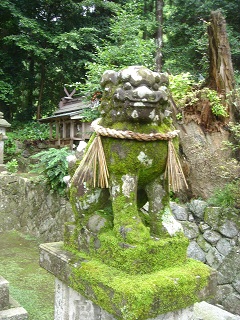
(161, 220)
(127, 223)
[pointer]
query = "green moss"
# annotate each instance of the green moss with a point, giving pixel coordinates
(123, 158)
(150, 256)
(140, 296)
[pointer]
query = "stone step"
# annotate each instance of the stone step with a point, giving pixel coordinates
(14, 312)
(10, 309)
(17, 313)
(4, 293)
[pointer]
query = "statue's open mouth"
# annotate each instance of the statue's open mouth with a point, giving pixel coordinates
(141, 104)
(142, 96)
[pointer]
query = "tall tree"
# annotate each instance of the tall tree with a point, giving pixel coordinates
(48, 43)
(125, 46)
(159, 34)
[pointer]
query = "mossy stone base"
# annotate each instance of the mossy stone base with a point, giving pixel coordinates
(153, 255)
(128, 296)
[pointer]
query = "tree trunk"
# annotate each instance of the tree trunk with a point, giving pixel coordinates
(221, 76)
(159, 34)
(30, 89)
(40, 97)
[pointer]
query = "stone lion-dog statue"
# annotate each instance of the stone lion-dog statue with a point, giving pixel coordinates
(124, 167)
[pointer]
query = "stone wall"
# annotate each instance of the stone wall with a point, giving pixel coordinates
(214, 235)
(32, 209)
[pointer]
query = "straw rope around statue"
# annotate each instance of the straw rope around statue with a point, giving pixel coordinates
(93, 167)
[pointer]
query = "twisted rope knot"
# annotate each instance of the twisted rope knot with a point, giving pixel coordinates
(131, 135)
(93, 167)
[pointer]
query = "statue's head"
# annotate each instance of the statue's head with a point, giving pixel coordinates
(134, 94)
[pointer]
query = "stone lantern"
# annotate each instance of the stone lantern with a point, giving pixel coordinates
(3, 125)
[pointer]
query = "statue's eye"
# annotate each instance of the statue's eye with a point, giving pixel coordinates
(155, 87)
(127, 86)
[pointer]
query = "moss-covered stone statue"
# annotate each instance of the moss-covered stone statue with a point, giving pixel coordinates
(120, 191)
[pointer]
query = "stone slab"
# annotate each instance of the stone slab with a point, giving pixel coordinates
(4, 293)
(137, 297)
(70, 304)
(18, 313)
(206, 311)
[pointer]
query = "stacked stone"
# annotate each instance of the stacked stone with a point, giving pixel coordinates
(214, 236)
(9, 308)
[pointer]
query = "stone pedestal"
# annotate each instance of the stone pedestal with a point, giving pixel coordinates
(70, 304)
(91, 290)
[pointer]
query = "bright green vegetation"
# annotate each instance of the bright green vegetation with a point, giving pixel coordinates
(28, 133)
(186, 91)
(141, 258)
(29, 284)
(44, 45)
(52, 166)
(234, 144)
(12, 166)
(227, 197)
(138, 297)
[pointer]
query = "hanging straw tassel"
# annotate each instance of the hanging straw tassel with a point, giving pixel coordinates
(174, 172)
(92, 165)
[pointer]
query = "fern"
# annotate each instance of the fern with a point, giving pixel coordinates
(52, 165)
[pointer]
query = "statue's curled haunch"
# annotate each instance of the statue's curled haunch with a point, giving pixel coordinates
(121, 187)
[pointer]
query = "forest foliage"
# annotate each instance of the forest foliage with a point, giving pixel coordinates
(46, 44)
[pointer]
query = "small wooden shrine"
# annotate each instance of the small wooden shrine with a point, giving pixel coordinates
(68, 121)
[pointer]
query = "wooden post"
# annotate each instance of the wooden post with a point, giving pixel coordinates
(64, 131)
(58, 132)
(71, 130)
(50, 131)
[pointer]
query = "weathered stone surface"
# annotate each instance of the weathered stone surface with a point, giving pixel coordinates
(232, 302)
(194, 251)
(211, 216)
(214, 258)
(222, 292)
(71, 303)
(30, 208)
(224, 246)
(236, 283)
(190, 229)
(4, 293)
(18, 313)
(230, 267)
(203, 227)
(9, 308)
(211, 236)
(205, 158)
(62, 264)
(206, 311)
(96, 223)
(203, 244)
(180, 212)
(229, 229)
(197, 207)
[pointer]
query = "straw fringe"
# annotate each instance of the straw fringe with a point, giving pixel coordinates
(92, 165)
(173, 171)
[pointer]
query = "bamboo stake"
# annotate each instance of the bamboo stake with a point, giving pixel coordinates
(174, 172)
